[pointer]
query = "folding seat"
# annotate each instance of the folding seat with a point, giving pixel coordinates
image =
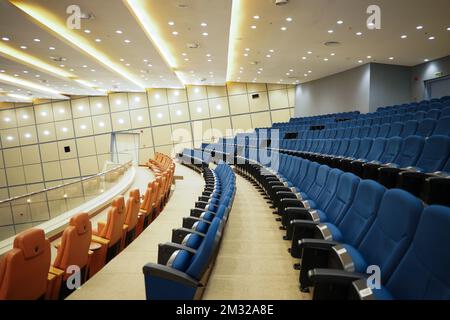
(359, 122)
(333, 134)
(349, 152)
(445, 99)
(374, 154)
(355, 132)
(407, 157)
(395, 118)
(425, 127)
(407, 117)
(422, 108)
(132, 209)
(385, 120)
(73, 250)
(180, 271)
(437, 185)
(347, 133)
(333, 212)
(435, 105)
(396, 130)
(433, 114)
(24, 269)
(412, 110)
(321, 134)
(373, 133)
(384, 130)
(427, 258)
(109, 235)
(445, 112)
(364, 132)
(384, 245)
(435, 154)
(367, 122)
(361, 153)
(376, 121)
(420, 115)
(409, 128)
(442, 127)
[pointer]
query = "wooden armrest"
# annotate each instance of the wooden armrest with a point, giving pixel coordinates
(100, 240)
(56, 271)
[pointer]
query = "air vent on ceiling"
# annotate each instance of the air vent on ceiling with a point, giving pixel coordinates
(254, 62)
(182, 5)
(332, 43)
(281, 2)
(58, 59)
(87, 16)
(203, 79)
(192, 45)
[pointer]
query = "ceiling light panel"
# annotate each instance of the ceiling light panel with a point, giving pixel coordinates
(198, 24)
(309, 31)
(132, 43)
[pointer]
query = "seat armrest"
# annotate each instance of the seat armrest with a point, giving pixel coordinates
(179, 234)
(317, 244)
(332, 284)
(196, 212)
(165, 250)
(286, 195)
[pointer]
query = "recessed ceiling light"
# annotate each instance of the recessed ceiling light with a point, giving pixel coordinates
(179, 113)
(7, 119)
(288, 19)
(359, 33)
(209, 60)
(99, 105)
(332, 54)
(175, 33)
(256, 17)
(25, 117)
(291, 70)
(101, 124)
(127, 64)
(25, 71)
(184, 54)
(204, 34)
(340, 22)
(62, 66)
(186, 59)
(369, 57)
(5, 38)
(253, 27)
(448, 28)
(27, 135)
(330, 31)
(431, 38)
(360, 61)
(122, 60)
(140, 118)
(391, 58)
(84, 66)
(283, 28)
(61, 111)
(288, 74)
(121, 121)
(271, 50)
(203, 24)
(23, 47)
(37, 40)
(119, 31)
(305, 75)
(426, 60)
(171, 23)
(309, 52)
(92, 70)
(247, 49)
(87, 31)
(159, 115)
(44, 113)
(208, 55)
(245, 54)
(309, 71)
(303, 58)
(325, 59)
(9, 138)
(419, 27)
(83, 127)
(268, 56)
(98, 40)
(126, 41)
(46, 132)
(199, 110)
(404, 36)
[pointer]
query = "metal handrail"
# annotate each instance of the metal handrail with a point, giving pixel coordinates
(128, 163)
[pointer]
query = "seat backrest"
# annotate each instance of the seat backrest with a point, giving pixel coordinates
(445, 112)
(343, 197)
(362, 212)
(329, 189)
(376, 149)
(426, 127)
(364, 132)
(205, 252)
(442, 127)
(319, 182)
(373, 133)
(116, 219)
(310, 177)
(433, 114)
(396, 130)
(336, 146)
(423, 273)
(384, 130)
(420, 115)
(392, 231)
(392, 149)
(75, 242)
(352, 147)
(410, 151)
(364, 148)
(132, 208)
(434, 154)
(24, 269)
(409, 128)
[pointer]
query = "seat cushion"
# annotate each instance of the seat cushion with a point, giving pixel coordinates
(358, 260)
(182, 260)
(201, 226)
(382, 294)
(194, 241)
(207, 216)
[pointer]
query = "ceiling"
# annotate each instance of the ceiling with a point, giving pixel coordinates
(131, 45)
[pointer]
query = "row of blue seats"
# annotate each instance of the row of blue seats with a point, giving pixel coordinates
(196, 159)
(432, 103)
(184, 264)
(431, 116)
(416, 164)
(343, 227)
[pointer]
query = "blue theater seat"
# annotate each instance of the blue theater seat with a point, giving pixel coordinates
(384, 245)
(426, 127)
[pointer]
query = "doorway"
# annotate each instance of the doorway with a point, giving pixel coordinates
(438, 88)
(125, 145)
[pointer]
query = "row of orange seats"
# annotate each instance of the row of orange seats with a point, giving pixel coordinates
(26, 271)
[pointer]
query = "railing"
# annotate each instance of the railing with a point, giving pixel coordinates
(25, 211)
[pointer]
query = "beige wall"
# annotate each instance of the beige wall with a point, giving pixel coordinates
(33, 137)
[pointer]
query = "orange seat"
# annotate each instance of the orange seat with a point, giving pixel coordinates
(24, 269)
(73, 250)
(131, 215)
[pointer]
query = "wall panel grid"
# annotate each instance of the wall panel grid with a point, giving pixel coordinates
(58, 140)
